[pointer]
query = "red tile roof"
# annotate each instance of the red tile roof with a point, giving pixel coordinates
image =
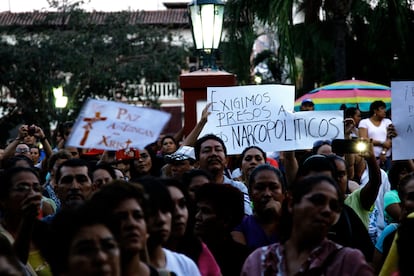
(162, 17)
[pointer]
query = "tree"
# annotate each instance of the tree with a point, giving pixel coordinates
(351, 39)
(88, 59)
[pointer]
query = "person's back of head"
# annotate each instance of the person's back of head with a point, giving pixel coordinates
(317, 164)
(375, 105)
(17, 161)
(226, 200)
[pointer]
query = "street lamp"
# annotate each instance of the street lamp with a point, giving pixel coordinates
(206, 19)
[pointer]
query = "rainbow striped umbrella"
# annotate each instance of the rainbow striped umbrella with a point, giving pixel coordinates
(352, 93)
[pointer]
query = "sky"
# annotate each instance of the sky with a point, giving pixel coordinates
(98, 5)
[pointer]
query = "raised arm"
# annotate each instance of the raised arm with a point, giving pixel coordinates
(192, 137)
(291, 165)
(11, 147)
(369, 192)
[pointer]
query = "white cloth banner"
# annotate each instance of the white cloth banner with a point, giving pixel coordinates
(111, 125)
(262, 115)
(402, 106)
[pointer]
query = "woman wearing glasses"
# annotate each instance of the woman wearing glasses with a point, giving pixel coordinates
(311, 209)
(20, 201)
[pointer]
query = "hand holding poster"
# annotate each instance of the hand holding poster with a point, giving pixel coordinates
(112, 126)
(262, 115)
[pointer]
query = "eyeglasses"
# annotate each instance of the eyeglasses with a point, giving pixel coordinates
(22, 150)
(319, 143)
(320, 200)
(25, 188)
(68, 179)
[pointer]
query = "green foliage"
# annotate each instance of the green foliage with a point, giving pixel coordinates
(352, 39)
(88, 59)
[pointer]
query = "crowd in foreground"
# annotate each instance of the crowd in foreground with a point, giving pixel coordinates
(184, 207)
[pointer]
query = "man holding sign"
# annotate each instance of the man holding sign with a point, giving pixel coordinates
(211, 153)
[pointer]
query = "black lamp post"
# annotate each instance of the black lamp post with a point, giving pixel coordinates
(206, 19)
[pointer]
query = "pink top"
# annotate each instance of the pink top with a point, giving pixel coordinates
(206, 262)
(270, 260)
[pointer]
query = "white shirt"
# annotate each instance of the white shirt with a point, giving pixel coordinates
(180, 264)
(379, 202)
(378, 133)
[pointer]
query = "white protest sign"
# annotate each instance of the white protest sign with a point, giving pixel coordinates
(262, 115)
(111, 125)
(402, 106)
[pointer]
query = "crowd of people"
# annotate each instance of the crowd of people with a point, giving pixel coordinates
(183, 206)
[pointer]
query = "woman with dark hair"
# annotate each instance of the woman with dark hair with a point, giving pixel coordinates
(168, 145)
(182, 238)
(392, 208)
(124, 207)
(313, 206)
(353, 114)
(20, 202)
(159, 227)
(249, 159)
(383, 246)
(375, 128)
(267, 191)
(81, 244)
(144, 164)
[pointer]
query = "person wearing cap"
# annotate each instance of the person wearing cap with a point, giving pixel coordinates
(179, 162)
(307, 105)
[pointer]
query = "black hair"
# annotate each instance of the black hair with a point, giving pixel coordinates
(350, 112)
(64, 227)
(318, 144)
(61, 154)
(159, 196)
(6, 179)
(226, 200)
(375, 105)
(240, 160)
(267, 167)
(104, 166)
(197, 145)
(397, 166)
(189, 175)
(155, 169)
(302, 187)
(12, 161)
(403, 182)
(73, 162)
(189, 244)
(109, 196)
(317, 163)
(297, 190)
(169, 137)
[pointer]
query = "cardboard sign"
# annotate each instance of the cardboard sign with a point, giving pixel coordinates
(262, 115)
(111, 125)
(402, 106)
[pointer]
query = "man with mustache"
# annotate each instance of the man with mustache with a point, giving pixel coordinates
(74, 184)
(211, 155)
